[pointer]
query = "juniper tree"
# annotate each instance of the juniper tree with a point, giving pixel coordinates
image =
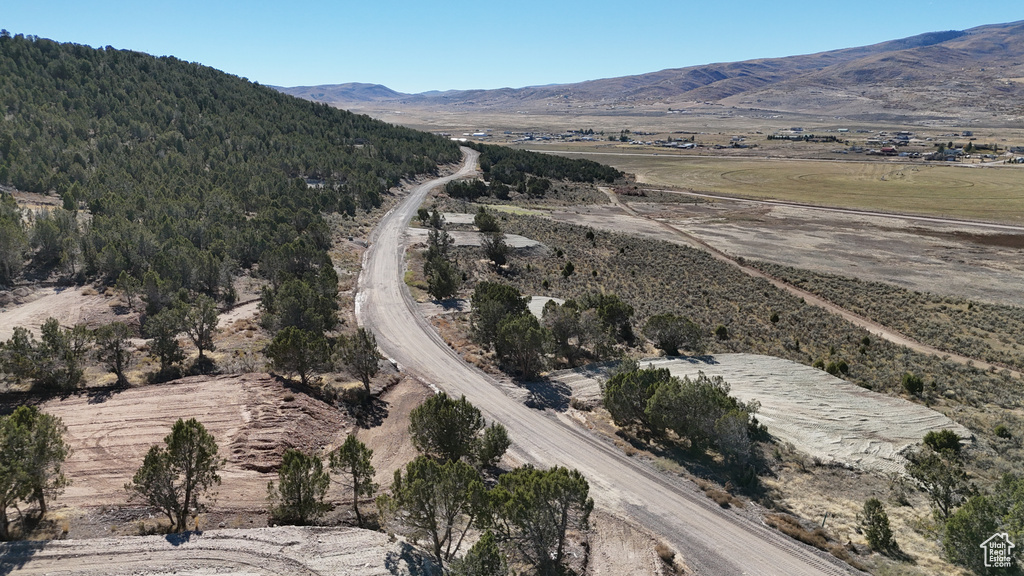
(302, 482)
(353, 460)
(173, 477)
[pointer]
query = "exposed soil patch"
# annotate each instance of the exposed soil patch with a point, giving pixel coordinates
(390, 441)
(69, 306)
(271, 551)
(253, 417)
(824, 416)
(617, 547)
(1000, 240)
(946, 259)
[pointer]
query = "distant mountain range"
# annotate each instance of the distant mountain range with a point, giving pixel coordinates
(967, 73)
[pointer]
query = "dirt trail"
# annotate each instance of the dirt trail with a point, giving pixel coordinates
(390, 441)
(875, 328)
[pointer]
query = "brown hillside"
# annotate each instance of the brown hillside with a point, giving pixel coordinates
(952, 74)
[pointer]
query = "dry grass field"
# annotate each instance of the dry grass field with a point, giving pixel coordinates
(990, 193)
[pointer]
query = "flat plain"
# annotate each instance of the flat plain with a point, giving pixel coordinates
(989, 193)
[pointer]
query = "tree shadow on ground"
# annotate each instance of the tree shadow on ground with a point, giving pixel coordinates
(101, 395)
(15, 555)
(705, 359)
(453, 304)
(202, 366)
(409, 560)
(370, 413)
(547, 394)
(178, 538)
(744, 479)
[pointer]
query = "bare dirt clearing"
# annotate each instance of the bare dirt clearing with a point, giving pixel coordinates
(389, 438)
(243, 311)
(68, 305)
(462, 238)
(271, 551)
(822, 415)
(938, 258)
(617, 547)
(253, 417)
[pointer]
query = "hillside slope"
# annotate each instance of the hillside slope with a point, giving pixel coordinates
(937, 73)
(186, 172)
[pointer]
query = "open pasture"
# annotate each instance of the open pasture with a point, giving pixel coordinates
(991, 193)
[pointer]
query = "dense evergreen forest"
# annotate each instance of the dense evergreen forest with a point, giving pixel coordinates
(187, 173)
(511, 167)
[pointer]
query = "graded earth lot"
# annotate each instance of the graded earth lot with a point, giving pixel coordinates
(822, 415)
(68, 305)
(270, 551)
(463, 238)
(253, 418)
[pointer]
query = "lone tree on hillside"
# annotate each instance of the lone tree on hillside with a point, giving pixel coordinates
(199, 321)
(130, 287)
(352, 459)
(112, 348)
(440, 268)
(534, 509)
(944, 442)
(61, 354)
(443, 278)
(437, 500)
(876, 527)
(913, 384)
(445, 428)
(493, 302)
(485, 221)
(359, 352)
(32, 455)
(448, 429)
(12, 463)
(45, 453)
(942, 476)
(298, 351)
(670, 333)
(174, 476)
(162, 330)
(520, 344)
(495, 249)
(298, 496)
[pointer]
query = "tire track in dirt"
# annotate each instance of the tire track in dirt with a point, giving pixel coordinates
(263, 551)
(875, 328)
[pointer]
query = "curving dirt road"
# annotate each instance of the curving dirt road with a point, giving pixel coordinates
(813, 299)
(711, 540)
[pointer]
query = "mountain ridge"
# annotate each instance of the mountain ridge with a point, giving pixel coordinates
(939, 73)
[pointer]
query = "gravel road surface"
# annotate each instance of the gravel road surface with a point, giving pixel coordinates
(711, 540)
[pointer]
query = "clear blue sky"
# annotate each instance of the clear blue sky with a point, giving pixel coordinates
(419, 45)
